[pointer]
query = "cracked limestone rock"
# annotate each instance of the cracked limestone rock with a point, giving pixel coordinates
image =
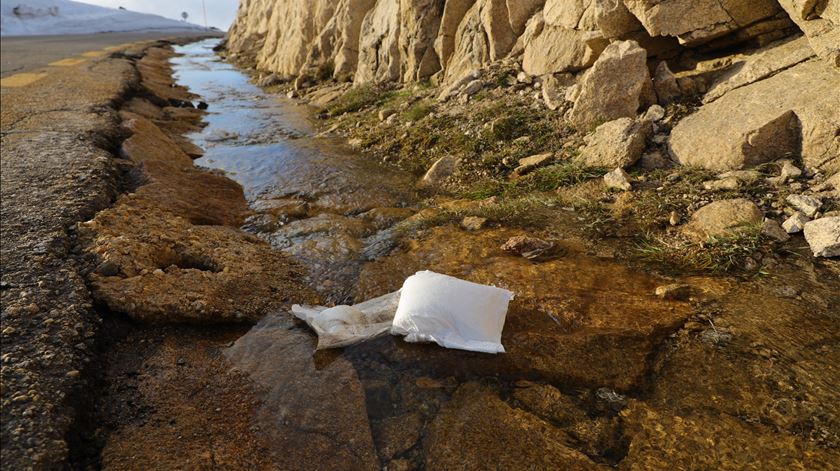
(791, 112)
(700, 21)
(618, 179)
(823, 236)
(618, 143)
(612, 87)
(808, 205)
(795, 223)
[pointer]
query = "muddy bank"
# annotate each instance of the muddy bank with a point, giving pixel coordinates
(169, 252)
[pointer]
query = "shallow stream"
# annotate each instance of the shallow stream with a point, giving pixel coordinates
(312, 195)
(585, 336)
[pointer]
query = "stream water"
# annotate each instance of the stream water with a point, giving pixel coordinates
(583, 336)
(313, 196)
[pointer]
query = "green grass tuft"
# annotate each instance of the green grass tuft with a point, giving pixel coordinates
(717, 255)
(556, 176)
(356, 99)
(417, 111)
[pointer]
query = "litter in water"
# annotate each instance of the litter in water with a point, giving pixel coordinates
(430, 307)
(452, 313)
(341, 326)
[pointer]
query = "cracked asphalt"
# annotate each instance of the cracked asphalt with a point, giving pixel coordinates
(57, 134)
(26, 53)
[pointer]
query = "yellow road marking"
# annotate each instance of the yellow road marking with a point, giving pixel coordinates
(94, 54)
(68, 62)
(117, 48)
(21, 80)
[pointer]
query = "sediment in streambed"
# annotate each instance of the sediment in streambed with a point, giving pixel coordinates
(597, 366)
(595, 359)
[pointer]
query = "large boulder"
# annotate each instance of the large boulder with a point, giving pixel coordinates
(612, 88)
(775, 117)
(759, 66)
(820, 21)
(723, 218)
(614, 19)
(699, 21)
(616, 144)
(561, 49)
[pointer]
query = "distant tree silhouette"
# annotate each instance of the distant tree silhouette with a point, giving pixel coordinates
(184, 15)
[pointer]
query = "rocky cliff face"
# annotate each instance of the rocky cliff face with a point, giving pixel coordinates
(581, 50)
(407, 40)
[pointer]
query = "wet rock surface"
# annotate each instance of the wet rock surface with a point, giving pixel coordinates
(313, 407)
(594, 328)
(600, 371)
(171, 251)
(477, 427)
(169, 399)
(315, 199)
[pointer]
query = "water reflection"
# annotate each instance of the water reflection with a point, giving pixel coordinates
(308, 192)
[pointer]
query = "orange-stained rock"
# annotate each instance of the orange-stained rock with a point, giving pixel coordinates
(476, 428)
(575, 319)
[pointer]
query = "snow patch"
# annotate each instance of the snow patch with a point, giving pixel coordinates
(31, 17)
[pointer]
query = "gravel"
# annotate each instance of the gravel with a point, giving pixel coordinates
(56, 172)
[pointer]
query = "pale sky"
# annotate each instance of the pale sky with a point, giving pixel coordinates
(220, 13)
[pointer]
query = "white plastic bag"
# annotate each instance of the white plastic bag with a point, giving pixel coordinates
(341, 326)
(451, 312)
